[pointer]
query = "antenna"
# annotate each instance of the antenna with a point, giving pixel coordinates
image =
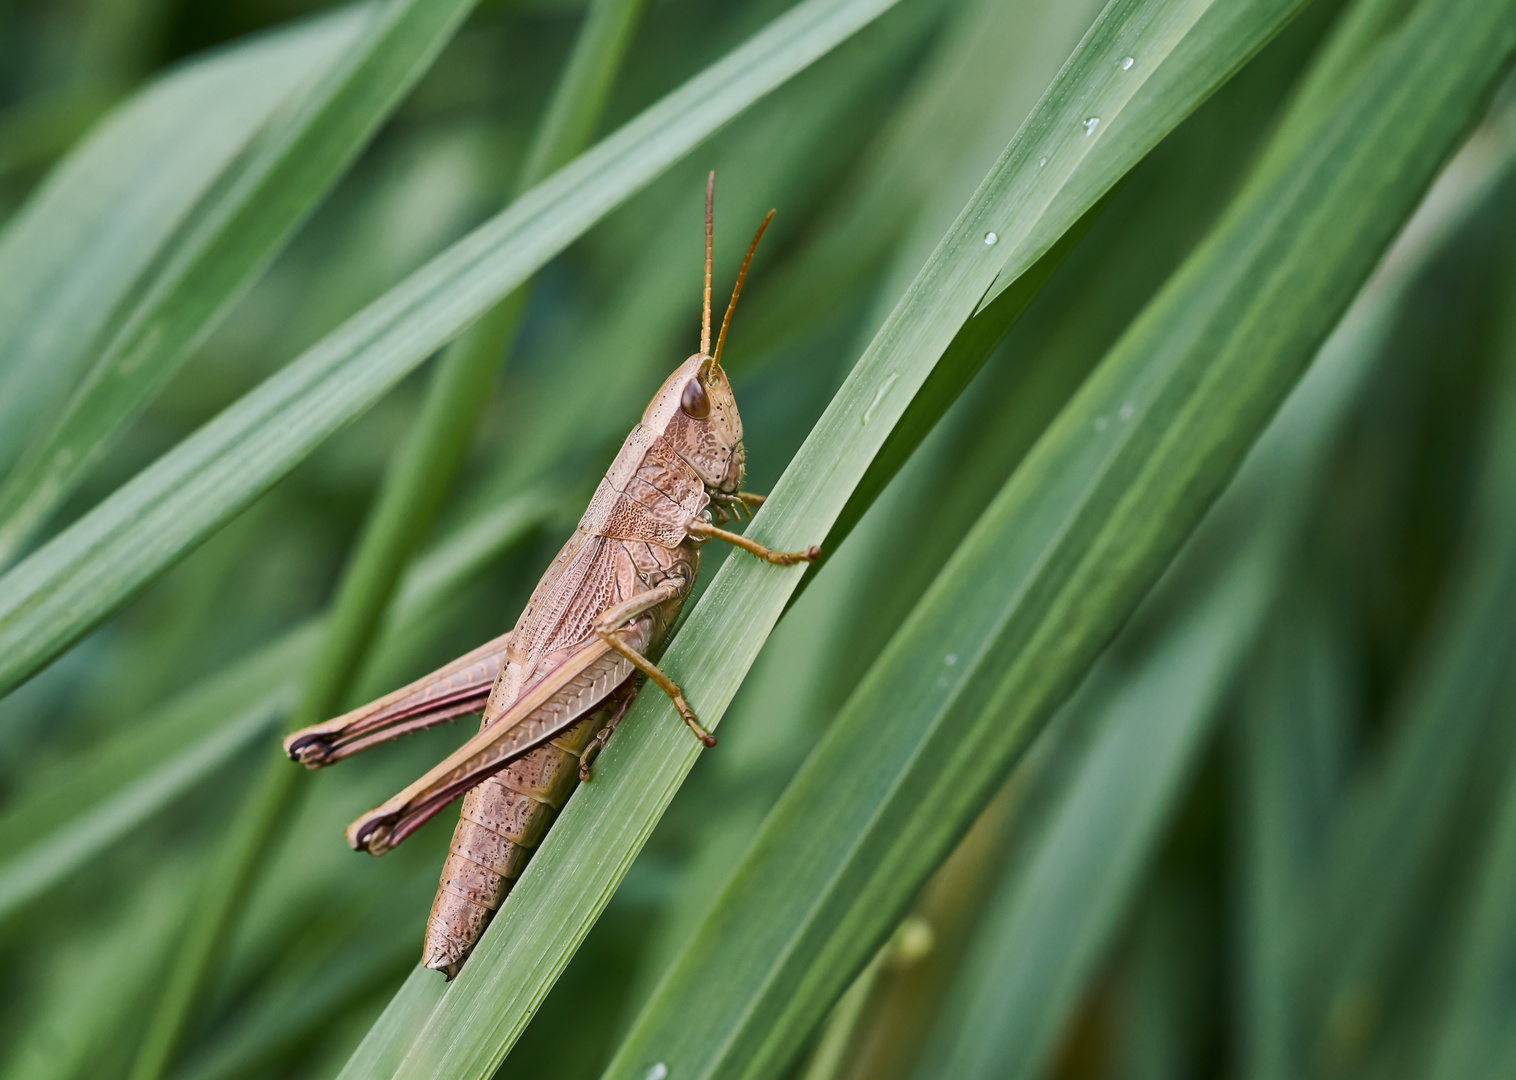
(705, 310)
(726, 320)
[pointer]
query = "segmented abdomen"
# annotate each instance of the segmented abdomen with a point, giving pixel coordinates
(503, 819)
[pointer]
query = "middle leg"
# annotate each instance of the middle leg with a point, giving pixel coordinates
(608, 626)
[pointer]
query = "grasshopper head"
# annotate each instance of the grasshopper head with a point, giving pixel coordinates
(694, 410)
(696, 413)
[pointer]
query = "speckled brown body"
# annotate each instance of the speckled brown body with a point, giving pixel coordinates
(553, 689)
(631, 539)
(554, 681)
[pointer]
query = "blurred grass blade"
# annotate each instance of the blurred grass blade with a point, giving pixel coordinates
(89, 801)
(1051, 924)
(1134, 729)
(83, 1005)
(1178, 54)
(1472, 1011)
(224, 245)
(1051, 570)
(248, 711)
(270, 1031)
(1390, 849)
(1474, 1037)
(575, 111)
(1290, 741)
(76, 254)
(1376, 844)
(557, 900)
(69, 585)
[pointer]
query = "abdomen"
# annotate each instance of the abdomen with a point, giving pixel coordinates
(503, 819)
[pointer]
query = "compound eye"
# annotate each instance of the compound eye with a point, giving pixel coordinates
(695, 402)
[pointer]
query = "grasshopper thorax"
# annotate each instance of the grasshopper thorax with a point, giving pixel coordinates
(696, 414)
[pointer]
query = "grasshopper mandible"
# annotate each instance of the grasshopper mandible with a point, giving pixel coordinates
(554, 688)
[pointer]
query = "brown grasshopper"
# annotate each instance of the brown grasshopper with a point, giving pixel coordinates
(555, 687)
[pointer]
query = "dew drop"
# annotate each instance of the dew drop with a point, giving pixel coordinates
(1126, 64)
(884, 388)
(1091, 124)
(990, 238)
(1127, 410)
(659, 1071)
(1101, 423)
(1041, 163)
(950, 659)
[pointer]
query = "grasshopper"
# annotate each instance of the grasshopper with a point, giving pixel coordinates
(553, 689)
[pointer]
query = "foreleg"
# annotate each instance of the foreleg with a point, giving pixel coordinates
(781, 558)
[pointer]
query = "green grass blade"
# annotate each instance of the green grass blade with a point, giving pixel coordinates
(1402, 824)
(83, 1008)
(75, 254)
(1179, 54)
(1187, 51)
(242, 709)
(554, 904)
(380, 1052)
(1278, 1024)
(575, 110)
(1148, 706)
(53, 597)
(1475, 1039)
(225, 244)
(1051, 570)
(1291, 734)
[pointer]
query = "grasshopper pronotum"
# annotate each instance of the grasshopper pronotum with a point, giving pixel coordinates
(555, 687)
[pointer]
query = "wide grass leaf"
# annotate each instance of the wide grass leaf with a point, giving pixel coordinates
(1060, 558)
(74, 255)
(1153, 697)
(224, 244)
